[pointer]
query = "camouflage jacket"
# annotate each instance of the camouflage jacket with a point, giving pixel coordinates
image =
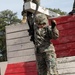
(43, 37)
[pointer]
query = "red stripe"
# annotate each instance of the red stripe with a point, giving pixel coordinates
(22, 64)
(63, 40)
(28, 73)
(64, 19)
(67, 32)
(67, 25)
(25, 68)
(66, 53)
(65, 46)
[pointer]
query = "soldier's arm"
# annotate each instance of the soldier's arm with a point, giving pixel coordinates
(55, 33)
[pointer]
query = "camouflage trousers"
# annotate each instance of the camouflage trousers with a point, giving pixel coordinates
(47, 63)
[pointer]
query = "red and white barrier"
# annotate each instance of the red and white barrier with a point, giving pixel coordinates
(21, 51)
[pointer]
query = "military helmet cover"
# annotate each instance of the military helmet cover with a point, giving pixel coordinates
(41, 19)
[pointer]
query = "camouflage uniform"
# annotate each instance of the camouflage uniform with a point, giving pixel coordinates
(45, 52)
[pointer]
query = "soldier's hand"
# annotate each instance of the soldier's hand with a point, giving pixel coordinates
(53, 24)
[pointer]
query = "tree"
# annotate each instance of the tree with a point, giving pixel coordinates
(7, 17)
(58, 11)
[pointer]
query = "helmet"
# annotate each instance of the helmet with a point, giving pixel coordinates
(41, 19)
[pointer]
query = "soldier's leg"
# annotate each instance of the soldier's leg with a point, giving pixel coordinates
(29, 14)
(24, 13)
(52, 69)
(42, 67)
(29, 19)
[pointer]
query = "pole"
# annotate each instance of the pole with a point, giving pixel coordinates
(73, 7)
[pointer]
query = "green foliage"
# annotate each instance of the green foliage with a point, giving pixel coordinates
(58, 11)
(7, 17)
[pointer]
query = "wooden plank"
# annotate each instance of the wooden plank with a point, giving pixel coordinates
(22, 59)
(67, 32)
(22, 64)
(66, 46)
(27, 73)
(66, 65)
(17, 35)
(65, 53)
(65, 19)
(16, 27)
(20, 53)
(63, 40)
(67, 25)
(29, 6)
(21, 46)
(68, 70)
(18, 40)
(66, 59)
(19, 68)
(22, 70)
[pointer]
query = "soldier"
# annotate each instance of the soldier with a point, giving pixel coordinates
(45, 51)
(73, 10)
(29, 17)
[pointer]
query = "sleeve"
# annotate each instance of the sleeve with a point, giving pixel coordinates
(54, 32)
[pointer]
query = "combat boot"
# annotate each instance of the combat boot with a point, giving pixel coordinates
(24, 20)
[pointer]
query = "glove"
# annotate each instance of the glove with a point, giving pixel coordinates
(53, 24)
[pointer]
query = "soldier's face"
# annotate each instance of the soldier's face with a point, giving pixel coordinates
(41, 25)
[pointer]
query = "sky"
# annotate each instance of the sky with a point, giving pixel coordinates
(17, 5)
